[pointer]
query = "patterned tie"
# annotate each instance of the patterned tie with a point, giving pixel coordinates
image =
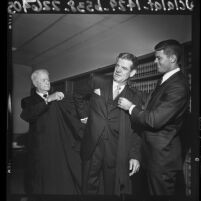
(116, 91)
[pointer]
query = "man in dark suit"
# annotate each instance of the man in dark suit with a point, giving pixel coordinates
(52, 164)
(110, 148)
(162, 119)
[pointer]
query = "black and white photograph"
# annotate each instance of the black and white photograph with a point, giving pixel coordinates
(103, 105)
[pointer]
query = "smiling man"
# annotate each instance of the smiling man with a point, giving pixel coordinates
(161, 120)
(110, 147)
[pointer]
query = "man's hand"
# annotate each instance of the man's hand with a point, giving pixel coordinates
(134, 166)
(124, 103)
(55, 96)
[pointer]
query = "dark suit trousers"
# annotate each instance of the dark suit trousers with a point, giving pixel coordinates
(166, 184)
(100, 169)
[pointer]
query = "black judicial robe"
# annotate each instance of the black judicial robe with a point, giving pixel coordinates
(53, 160)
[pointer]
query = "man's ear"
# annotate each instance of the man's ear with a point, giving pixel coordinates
(34, 83)
(133, 72)
(173, 58)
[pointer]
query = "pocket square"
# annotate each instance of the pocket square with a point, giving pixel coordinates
(97, 91)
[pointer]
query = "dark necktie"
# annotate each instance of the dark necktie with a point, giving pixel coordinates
(159, 82)
(45, 95)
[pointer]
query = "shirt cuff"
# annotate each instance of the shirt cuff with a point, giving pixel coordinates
(131, 109)
(84, 120)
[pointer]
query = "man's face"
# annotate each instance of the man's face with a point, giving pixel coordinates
(122, 71)
(42, 83)
(163, 62)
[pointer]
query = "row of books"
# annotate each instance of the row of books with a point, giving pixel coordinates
(146, 86)
(146, 69)
(189, 57)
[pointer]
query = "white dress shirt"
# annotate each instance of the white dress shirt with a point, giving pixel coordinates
(169, 74)
(121, 87)
(42, 96)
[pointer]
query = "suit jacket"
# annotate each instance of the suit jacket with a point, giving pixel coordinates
(161, 121)
(53, 159)
(105, 119)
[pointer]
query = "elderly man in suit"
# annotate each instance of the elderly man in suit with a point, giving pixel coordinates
(53, 164)
(110, 147)
(35, 111)
(162, 119)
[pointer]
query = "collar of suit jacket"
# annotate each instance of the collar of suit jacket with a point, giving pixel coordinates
(169, 74)
(41, 94)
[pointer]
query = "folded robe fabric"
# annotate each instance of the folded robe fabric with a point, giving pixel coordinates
(59, 169)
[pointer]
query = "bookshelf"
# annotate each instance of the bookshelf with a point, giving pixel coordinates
(147, 76)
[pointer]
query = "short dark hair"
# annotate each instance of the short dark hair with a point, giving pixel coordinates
(130, 57)
(170, 47)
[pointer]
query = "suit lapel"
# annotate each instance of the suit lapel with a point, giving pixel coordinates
(124, 92)
(155, 94)
(108, 90)
(37, 97)
(159, 89)
(171, 78)
(152, 95)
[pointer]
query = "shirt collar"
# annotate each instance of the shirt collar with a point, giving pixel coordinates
(41, 94)
(169, 74)
(115, 84)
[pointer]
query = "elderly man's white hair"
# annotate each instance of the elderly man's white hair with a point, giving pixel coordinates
(35, 74)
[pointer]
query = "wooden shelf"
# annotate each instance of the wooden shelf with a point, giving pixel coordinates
(146, 77)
